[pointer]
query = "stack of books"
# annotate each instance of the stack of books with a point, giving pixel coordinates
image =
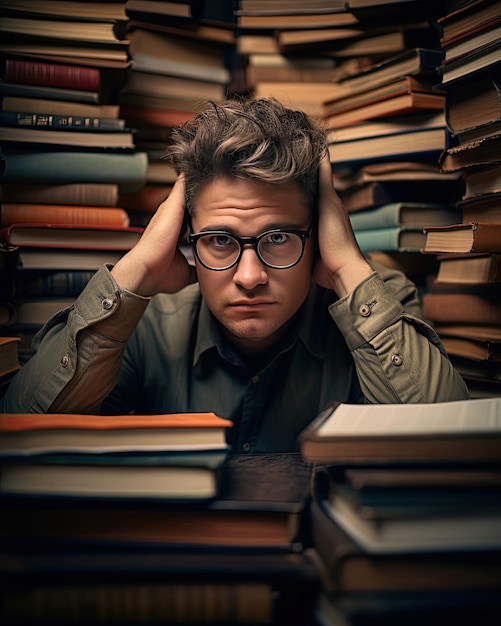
(406, 512)
(180, 61)
(128, 519)
(464, 297)
(66, 153)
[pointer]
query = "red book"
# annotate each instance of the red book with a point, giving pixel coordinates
(53, 75)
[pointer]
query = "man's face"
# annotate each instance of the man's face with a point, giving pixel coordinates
(251, 301)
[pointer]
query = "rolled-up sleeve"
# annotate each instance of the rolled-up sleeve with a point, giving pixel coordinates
(398, 357)
(78, 352)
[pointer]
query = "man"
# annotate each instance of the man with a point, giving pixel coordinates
(280, 314)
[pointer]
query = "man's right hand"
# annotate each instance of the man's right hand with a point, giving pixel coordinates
(156, 264)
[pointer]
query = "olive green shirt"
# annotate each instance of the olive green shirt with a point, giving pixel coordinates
(116, 352)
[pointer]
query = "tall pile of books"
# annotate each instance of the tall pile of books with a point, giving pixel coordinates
(149, 519)
(66, 154)
(181, 59)
(464, 298)
(406, 512)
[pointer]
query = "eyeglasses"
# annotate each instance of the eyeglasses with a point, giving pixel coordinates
(276, 248)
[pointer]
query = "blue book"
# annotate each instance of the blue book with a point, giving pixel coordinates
(391, 239)
(414, 214)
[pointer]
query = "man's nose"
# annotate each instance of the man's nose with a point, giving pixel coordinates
(250, 270)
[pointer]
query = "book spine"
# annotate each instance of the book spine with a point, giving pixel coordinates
(386, 216)
(50, 284)
(53, 75)
(128, 170)
(77, 194)
(58, 107)
(379, 239)
(47, 91)
(60, 214)
(59, 122)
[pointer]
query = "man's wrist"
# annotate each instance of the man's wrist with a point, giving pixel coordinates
(345, 281)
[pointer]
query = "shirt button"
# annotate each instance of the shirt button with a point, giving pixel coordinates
(65, 360)
(246, 447)
(364, 310)
(255, 379)
(396, 359)
(107, 304)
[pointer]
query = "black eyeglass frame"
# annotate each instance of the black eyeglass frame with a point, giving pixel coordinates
(304, 235)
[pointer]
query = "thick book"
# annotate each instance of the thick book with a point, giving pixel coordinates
(374, 193)
(473, 348)
(48, 138)
(473, 102)
(460, 431)
(464, 237)
(337, 18)
(478, 153)
(419, 145)
(62, 214)
(55, 284)
(463, 19)
(461, 307)
(467, 66)
(26, 433)
(66, 258)
(187, 476)
(408, 214)
(60, 122)
(74, 194)
(469, 269)
(482, 181)
(47, 235)
(92, 31)
(354, 569)
(482, 208)
(390, 239)
(45, 106)
(23, 90)
(52, 74)
(126, 169)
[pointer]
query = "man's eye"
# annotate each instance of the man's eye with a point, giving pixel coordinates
(221, 241)
(277, 238)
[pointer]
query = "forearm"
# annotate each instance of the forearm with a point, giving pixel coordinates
(78, 354)
(398, 357)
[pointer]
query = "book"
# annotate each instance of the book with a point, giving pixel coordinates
(189, 476)
(47, 137)
(464, 237)
(139, 82)
(147, 199)
(354, 569)
(380, 192)
(76, 194)
(481, 208)
(9, 356)
(416, 61)
(47, 235)
(126, 169)
(469, 269)
(390, 239)
(460, 307)
(473, 102)
(106, 11)
(95, 31)
(408, 214)
(44, 106)
(55, 284)
(52, 74)
(403, 104)
(23, 90)
(57, 214)
(481, 152)
(401, 86)
(249, 20)
(26, 433)
(61, 122)
(475, 349)
(481, 181)
(461, 430)
(458, 48)
(66, 258)
(420, 145)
